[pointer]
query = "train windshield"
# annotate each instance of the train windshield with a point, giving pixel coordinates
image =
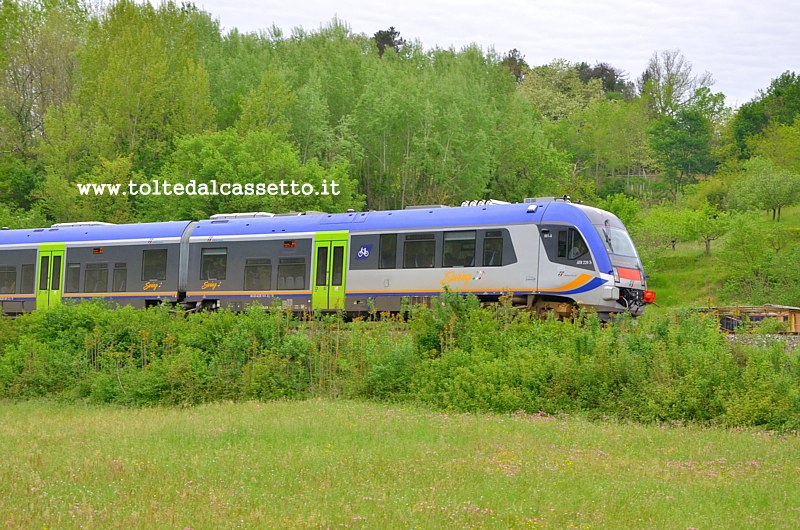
(619, 245)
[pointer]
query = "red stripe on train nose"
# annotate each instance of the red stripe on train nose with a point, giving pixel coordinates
(629, 274)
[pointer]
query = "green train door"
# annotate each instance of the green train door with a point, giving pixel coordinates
(330, 252)
(50, 272)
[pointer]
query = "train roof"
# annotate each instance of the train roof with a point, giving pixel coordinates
(93, 232)
(416, 218)
(537, 211)
(410, 219)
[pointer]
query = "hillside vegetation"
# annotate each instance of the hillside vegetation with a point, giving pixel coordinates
(754, 262)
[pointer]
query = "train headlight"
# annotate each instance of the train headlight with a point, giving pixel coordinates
(616, 275)
(649, 297)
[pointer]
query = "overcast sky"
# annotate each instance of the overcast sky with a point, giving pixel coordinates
(744, 44)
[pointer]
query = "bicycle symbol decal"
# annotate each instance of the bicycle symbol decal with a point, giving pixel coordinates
(363, 252)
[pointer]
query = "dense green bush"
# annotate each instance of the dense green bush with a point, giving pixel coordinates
(455, 355)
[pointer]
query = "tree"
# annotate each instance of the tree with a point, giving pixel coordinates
(779, 104)
(608, 141)
(37, 55)
(344, 71)
(310, 122)
(74, 143)
(236, 64)
(268, 105)
(191, 110)
(527, 164)
(13, 218)
(668, 82)
(63, 202)
(711, 105)
(623, 206)
(515, 62)
(141, 77)
(761, 262)
(388, 123)
(614, 80)
(263, 156)
(767, 187)
(664, 226)
(428, 127)
(388, 38)
(660, 229)
(707, 224)
(714, 190)
(557, 91)
(779, 143)
(681, 144)
(19, 179)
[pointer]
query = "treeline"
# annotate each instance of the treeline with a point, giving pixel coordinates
(131, 92)
(673, 367)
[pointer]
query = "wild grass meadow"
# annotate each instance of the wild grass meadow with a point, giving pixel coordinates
(323, 463)
(459, 416)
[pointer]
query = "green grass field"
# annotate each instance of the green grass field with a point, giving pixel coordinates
(359, 465)
(686, 278)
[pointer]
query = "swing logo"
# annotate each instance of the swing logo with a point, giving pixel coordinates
(451, 277)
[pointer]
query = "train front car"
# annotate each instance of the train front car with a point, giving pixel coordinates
(629, 274)
(597, 242)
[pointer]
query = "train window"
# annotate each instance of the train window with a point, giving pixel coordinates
(258, 275)
(154, 264)
(292, 274)
(337, 266)
(28, 281)
(419, 251)
(55, 279)
(322, 266)
(388, 251)
(493, 248)
(119, 283)
(44, 266)
(73, 283)
(459, 249)
(571, 245)
(565, 245)
(8, 279)
(213, 263)
(95, 278)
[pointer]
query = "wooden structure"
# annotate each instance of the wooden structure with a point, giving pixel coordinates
(732, 318)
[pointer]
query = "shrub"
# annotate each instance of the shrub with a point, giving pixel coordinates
(271, 376)
(454, 355)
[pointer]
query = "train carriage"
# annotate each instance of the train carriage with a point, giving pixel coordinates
(131, 264)
(546, 254)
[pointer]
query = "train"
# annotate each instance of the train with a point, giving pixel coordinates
(544, 254)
